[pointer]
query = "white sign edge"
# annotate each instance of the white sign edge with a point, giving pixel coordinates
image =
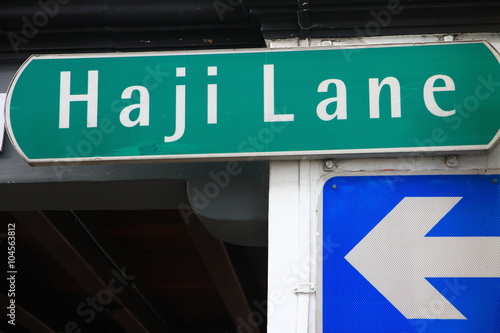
(2, 120)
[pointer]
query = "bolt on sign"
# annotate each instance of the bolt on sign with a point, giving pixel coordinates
(255, 103)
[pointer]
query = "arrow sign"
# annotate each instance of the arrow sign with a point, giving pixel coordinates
(266, 104)
(396, 253)
(412, 254)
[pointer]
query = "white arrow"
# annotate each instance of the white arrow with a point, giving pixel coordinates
(396, 257)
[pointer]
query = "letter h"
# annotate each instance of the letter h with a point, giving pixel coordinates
(66, 98)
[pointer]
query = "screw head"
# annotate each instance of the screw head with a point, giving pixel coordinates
(451, 161)
(334, 186)
(329, 164)
(495, 181)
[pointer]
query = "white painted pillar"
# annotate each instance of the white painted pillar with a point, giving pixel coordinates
(292, 254)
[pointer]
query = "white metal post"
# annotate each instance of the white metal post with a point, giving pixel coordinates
(292, 269)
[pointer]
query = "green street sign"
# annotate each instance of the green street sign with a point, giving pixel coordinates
(231, 104)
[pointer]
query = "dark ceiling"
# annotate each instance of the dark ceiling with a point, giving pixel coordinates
(26, 27)
(175, 276)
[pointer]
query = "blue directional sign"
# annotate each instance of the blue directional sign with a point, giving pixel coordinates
(411, 254)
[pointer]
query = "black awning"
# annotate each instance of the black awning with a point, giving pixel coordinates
(64, 26)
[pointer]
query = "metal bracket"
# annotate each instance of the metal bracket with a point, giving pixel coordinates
(304, 288)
